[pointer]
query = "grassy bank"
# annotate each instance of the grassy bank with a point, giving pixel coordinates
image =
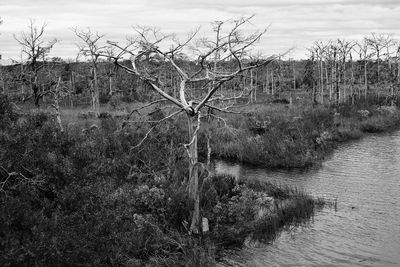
(283, 136)
(83, 197)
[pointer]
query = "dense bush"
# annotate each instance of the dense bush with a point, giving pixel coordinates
(284, 143)
(7, 115)
(285, 140)
(85, 197)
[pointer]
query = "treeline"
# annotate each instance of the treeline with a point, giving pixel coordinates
(344, 69)
(335, 71)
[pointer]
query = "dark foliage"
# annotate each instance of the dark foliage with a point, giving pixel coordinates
(85, 198)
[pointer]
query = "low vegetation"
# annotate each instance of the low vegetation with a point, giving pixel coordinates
(104, 188)
(283, 136)
(84, 197)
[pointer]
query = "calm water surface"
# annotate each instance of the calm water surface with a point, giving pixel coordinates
(364, 230)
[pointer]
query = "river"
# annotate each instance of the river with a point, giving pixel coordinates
(364, 228)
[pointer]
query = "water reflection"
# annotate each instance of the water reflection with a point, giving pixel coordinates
(365, 228)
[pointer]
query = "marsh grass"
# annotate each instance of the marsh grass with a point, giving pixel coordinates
(88, 199)
(95, 190)
(239, 210)
(300, 136)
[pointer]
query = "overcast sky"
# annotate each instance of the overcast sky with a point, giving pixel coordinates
(293, 24)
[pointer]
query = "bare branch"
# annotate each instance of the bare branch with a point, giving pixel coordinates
(194, 136)
(225, 109)
(153, 127)
(225, 78)
(20, 178)
(140, 108)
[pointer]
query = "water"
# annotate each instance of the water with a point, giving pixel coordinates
(364, 230)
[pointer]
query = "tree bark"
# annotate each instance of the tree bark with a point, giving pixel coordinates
(337, 89)
(327, 80)
(272, 84)
(251, 87)
(95, 93)
(365, 79)
(267, 83)
(193, 183)
(352, 80)
(332, 81)
(57, 105)
(110, 92)
(255, 87)
(321, 79)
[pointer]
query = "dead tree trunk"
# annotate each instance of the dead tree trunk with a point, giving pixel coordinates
(365, 78)
(95, 92)
(144, 46)
(272, 83)
(251, 87)
(267, 83)
(56, 104)
(337, 89)
(352, 79)
(193, 183)
(110, 88)
(321, 72)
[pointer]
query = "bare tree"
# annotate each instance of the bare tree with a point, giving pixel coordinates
(378, 42)
(201, 76)
(56, 92)
(111, 69)
(345, 48)
(57, 89)
(35, 48)
(335, 73)
(320, 50)
(309, 76)
(398, 61)
(329, 69)
(364, 56)
(391, 60)
(1, 69)
(91, 48)
(352, 79)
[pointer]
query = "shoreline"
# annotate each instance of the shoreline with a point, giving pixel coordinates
(302, 150)
(86, 174)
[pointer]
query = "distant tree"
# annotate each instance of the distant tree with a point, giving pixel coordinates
(35, 48)
(199, 85)
(91, 48)
(320, 50)
(345, 48)
(391, 59)
(1, 69)
(398, 61)
(111, 69)
(309, 76)
(378, 43)
(364, 57)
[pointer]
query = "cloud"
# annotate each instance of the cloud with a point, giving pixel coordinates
(293, 23)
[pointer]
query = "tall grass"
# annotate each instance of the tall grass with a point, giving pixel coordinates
(298, 136)
(86, 198)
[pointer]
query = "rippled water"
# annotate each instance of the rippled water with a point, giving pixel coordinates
(364, 230)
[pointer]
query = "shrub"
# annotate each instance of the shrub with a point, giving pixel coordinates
(7, 115)
(115, 101)
(87, 198)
